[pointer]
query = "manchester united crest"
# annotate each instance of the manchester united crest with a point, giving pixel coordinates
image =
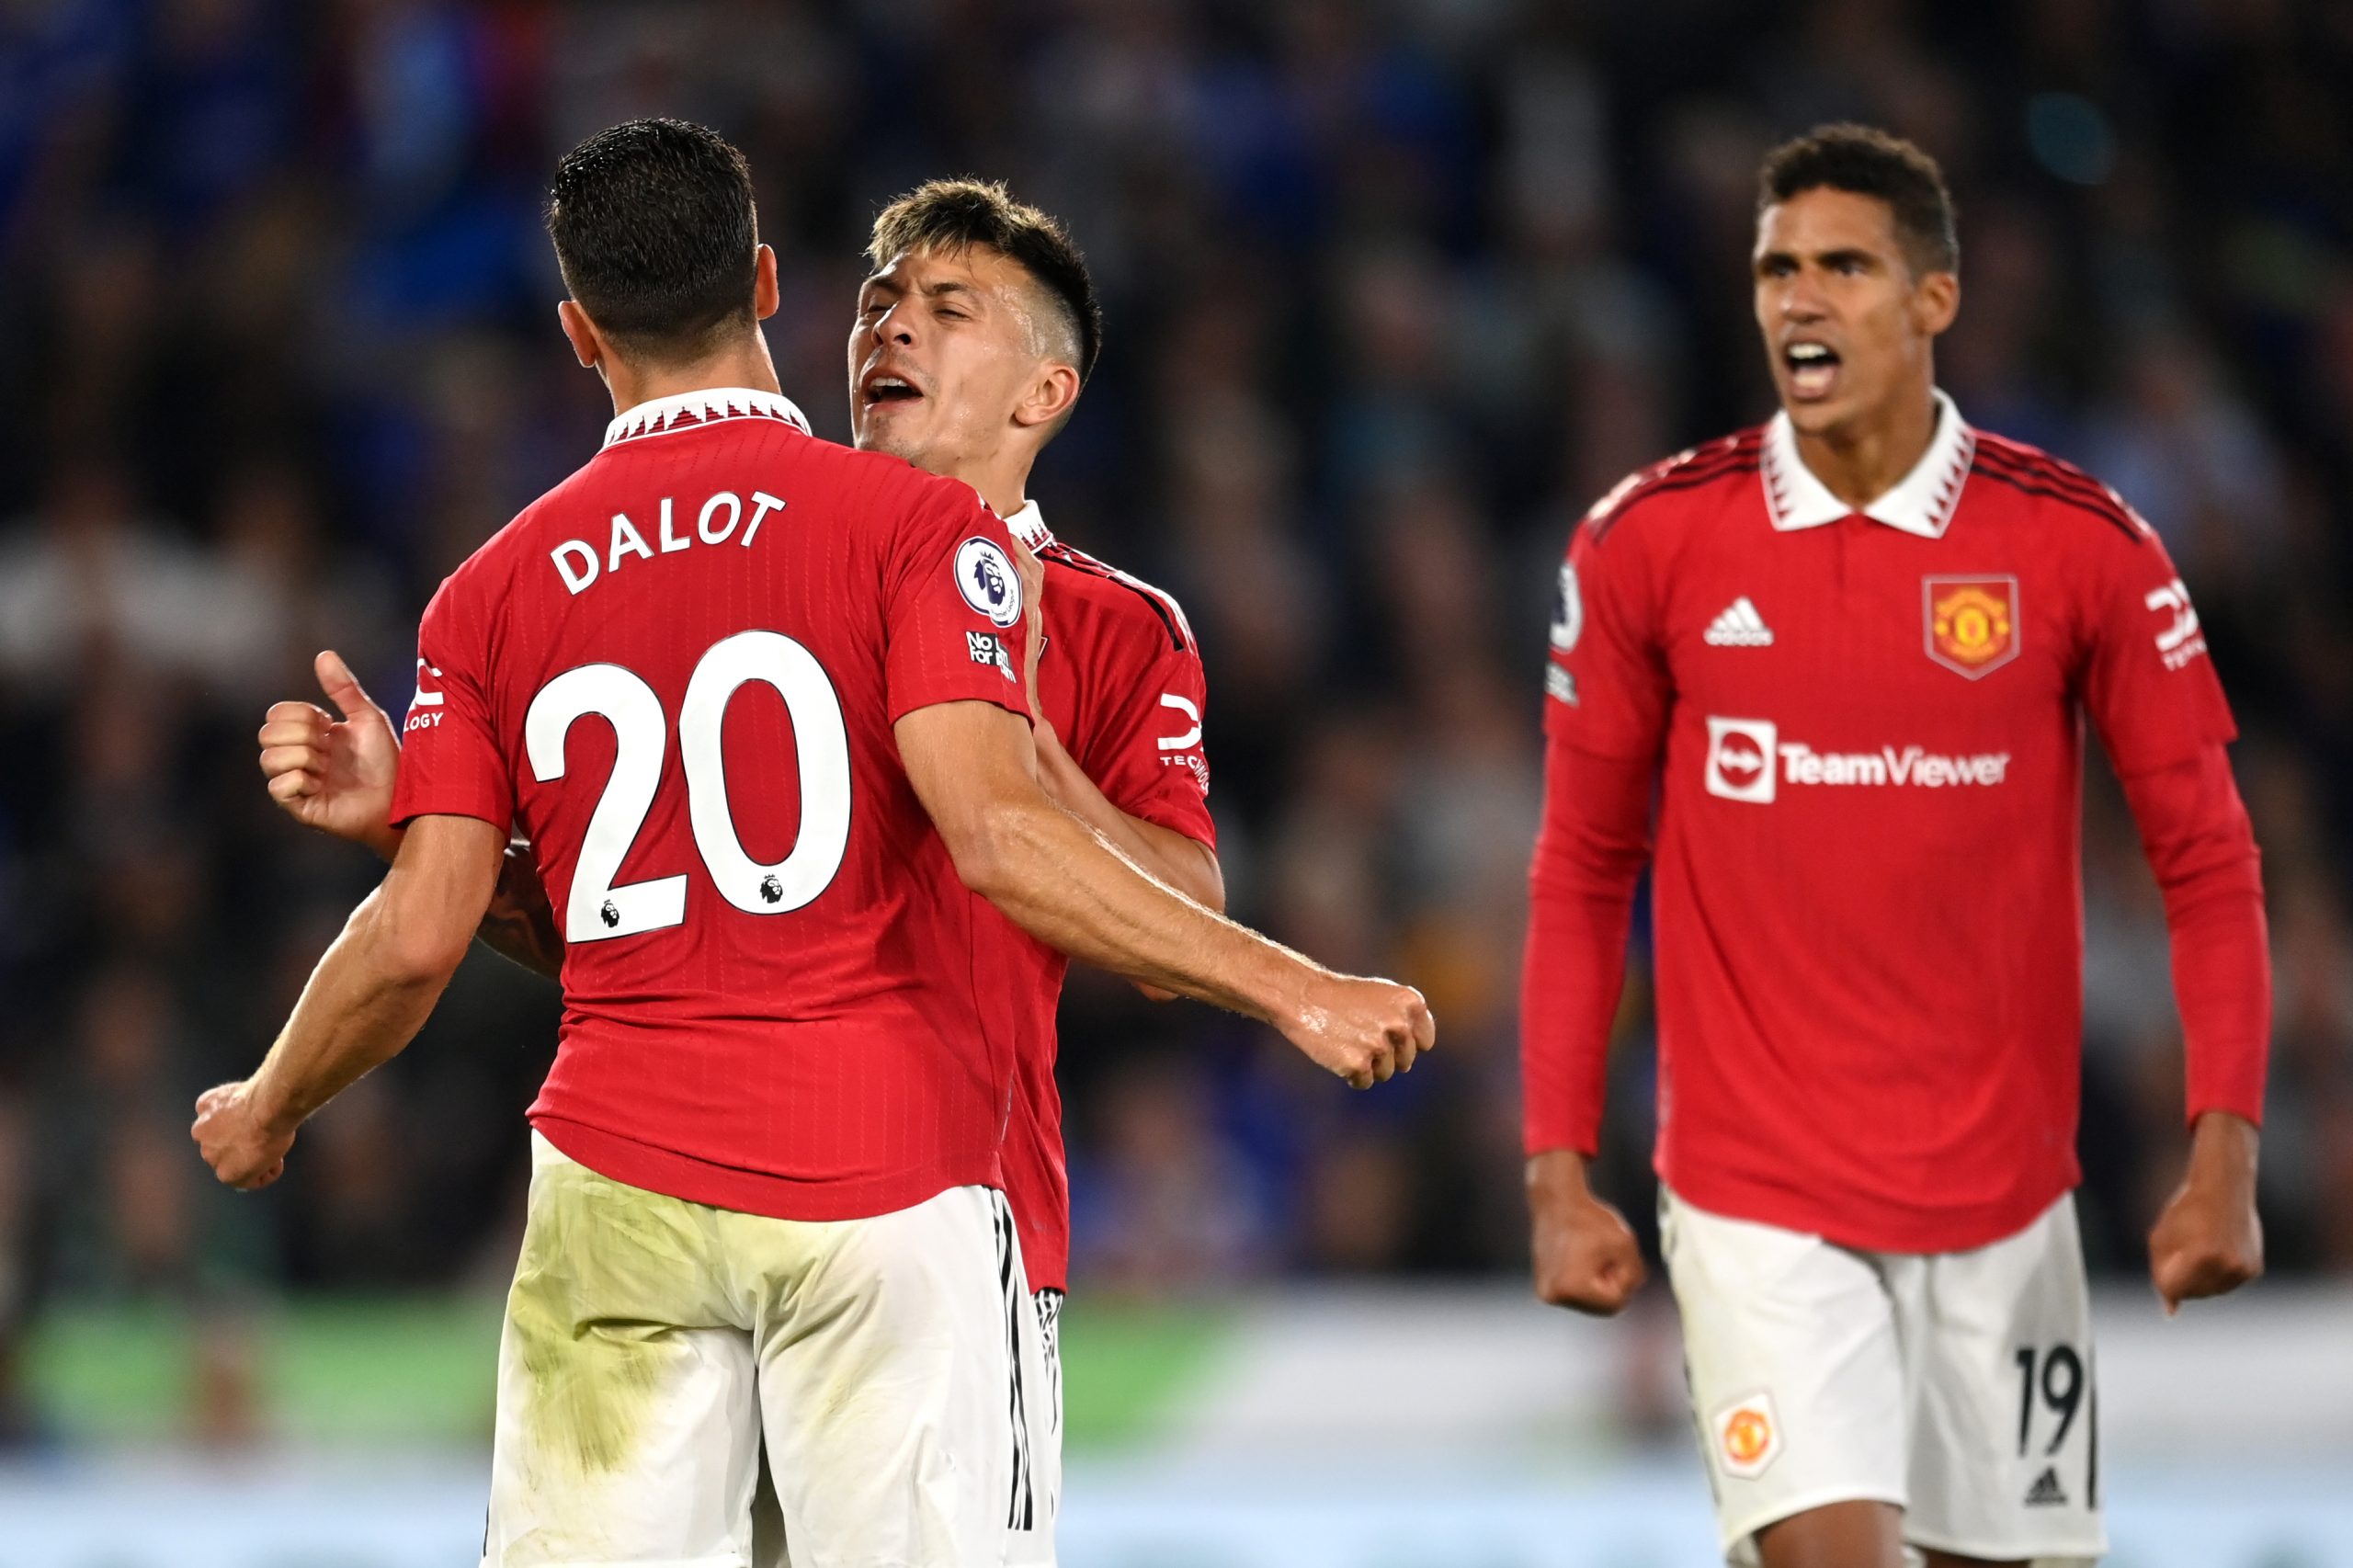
(1748, 1437)
(1973, 622)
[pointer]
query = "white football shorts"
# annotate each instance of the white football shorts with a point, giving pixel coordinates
(1957, 1386)
(1034, 1547)
(892, 1365)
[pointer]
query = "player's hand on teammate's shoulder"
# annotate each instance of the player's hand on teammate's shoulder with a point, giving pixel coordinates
(1586, 1258)
(2209, 1240)
(1365, 1030)
(237, 1141)
(334, 775)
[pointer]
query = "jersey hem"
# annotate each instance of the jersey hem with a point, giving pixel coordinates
(1890, 1228)
(691, 1180)
(480, 809)
(1017, 702)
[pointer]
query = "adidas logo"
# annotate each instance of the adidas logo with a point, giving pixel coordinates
(1740, 627)
(2046, 1492)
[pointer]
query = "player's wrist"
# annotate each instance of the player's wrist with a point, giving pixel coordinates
(272, 1111)
(2225, 1149)
(1558, 1173)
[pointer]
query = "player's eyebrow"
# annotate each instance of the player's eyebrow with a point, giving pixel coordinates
(1842, 256)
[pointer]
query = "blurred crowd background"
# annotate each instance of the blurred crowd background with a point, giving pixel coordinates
(1395, 290)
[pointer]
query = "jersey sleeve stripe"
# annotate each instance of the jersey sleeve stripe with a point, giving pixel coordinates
(2028, 461)
(1732, 467)
(2038, 485)
(1728, 455)
(1160, 603)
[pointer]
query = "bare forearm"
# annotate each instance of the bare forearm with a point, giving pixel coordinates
(1045, 870)
(518, 926)
(356, 1014)
(1166, 856)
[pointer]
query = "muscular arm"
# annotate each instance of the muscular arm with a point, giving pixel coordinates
(367, 999)
(1185, 864)
(972, 765)
(519, 926)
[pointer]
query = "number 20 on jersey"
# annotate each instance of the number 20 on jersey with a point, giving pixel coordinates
(599, 910)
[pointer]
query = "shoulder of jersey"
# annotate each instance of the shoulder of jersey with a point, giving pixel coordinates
(2066, 489)
(1724, 463)
(882, 470)
(1120, 594)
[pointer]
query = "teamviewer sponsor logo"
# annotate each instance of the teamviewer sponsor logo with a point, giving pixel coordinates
(1740, 759)
(1748, 761)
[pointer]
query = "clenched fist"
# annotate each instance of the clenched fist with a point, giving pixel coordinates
(1364, 1030)
(2209, 1241)
(1586, 1255)
(336, 775)
(244, 1150)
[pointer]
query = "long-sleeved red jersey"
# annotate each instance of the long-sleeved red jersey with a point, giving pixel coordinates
(1864, 735)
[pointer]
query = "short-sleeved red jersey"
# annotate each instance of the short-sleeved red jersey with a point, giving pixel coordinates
(1120, 680)
(1867, 888)
(677, 674)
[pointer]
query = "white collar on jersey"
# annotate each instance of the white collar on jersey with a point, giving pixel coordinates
(1920, 502)
(1028, 526)
(695, 408)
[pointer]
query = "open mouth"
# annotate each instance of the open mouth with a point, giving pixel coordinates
(1813, 370)
(890, 389)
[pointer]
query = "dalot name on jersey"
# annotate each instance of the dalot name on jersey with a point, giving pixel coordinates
(716, 521)
(1743, 755)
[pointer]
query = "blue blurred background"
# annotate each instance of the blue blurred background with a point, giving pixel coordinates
(1395, 290)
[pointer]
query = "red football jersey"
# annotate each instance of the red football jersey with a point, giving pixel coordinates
(1867, 889)
(1120, 680)
(677, 674)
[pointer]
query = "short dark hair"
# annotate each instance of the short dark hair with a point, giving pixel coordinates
(1870, 162)
(955, 214)
(657, 235)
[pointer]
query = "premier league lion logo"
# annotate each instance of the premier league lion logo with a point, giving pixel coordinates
(984, 575)
(990, 579)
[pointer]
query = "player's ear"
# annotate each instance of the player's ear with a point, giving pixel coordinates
(1935, 300)
(586, 346)
(1050, 395)
(765, 296)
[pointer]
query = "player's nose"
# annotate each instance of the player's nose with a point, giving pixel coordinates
(893, 325)
(1802, 301)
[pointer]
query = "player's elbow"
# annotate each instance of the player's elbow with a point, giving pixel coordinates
(991, 846)
(411, 948)
(1206, 884)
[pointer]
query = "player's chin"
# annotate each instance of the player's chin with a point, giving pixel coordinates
(890, 428)
(1820, 417)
